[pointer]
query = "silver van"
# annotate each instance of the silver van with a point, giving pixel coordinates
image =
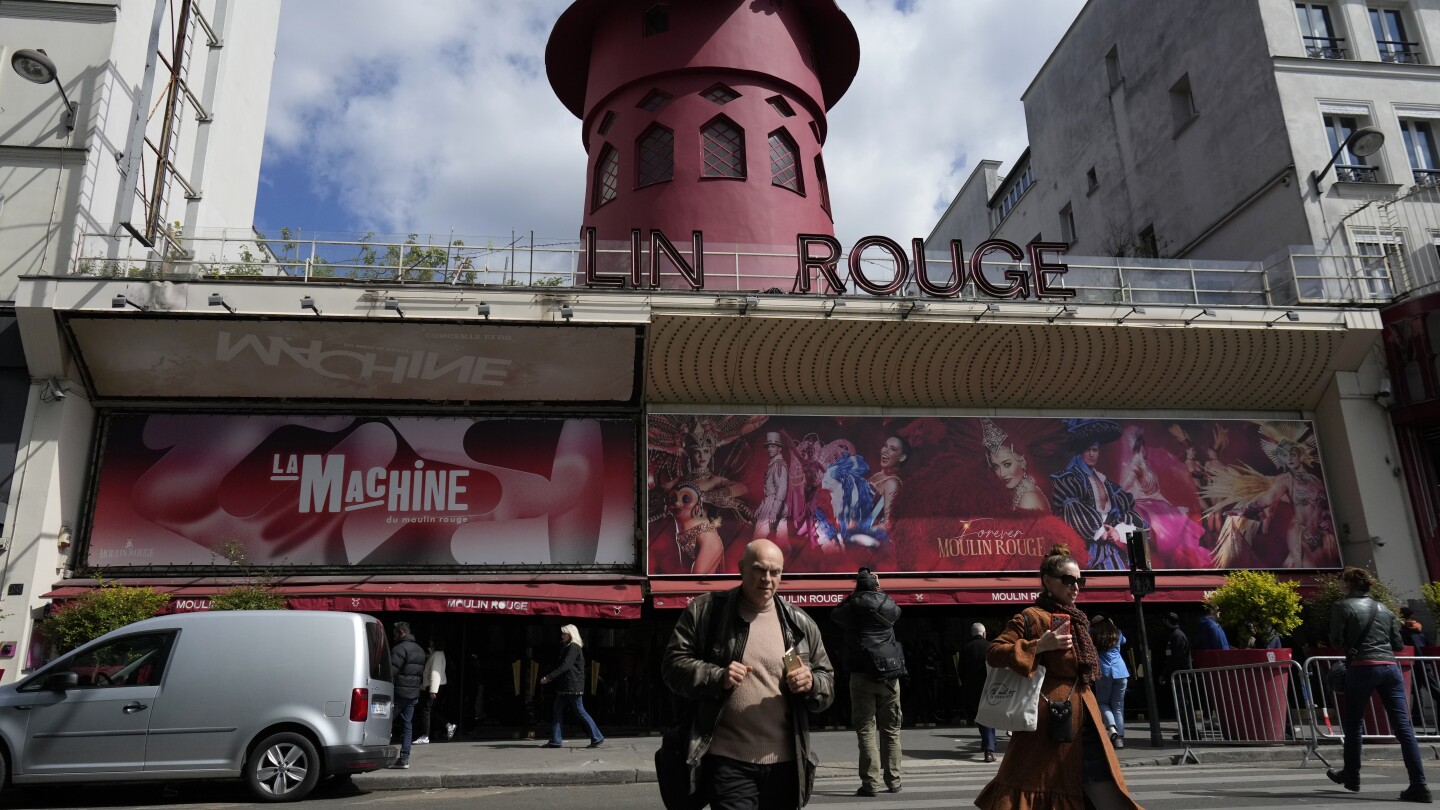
(278, 698)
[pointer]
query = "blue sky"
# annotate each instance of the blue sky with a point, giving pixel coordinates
(438, 119)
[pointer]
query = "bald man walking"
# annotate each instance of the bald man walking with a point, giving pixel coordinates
(766, 668)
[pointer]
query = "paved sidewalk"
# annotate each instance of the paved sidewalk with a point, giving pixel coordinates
(465, 763)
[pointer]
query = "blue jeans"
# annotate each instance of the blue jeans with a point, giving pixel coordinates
(1110, 694)
(1385, 681)
(405, 712)
(987, 738)
(577, 705)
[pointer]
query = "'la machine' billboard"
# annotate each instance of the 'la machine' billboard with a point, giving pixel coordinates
(940, 495)
(174, 489)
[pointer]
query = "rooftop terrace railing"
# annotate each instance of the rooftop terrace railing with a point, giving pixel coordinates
(1298, 276)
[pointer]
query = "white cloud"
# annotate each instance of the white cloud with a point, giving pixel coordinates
(436, 116)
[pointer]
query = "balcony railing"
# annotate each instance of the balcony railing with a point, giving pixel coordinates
(1325, 48)
(1400, 53)
(1299, 276)
(1356, 173)
(1427, 178)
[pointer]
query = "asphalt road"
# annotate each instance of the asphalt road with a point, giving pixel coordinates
(1156, 788)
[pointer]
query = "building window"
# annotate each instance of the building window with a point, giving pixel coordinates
(606, 123)
(1023, 181)
(656, 156)
(1182, 103)
(1420, 146)
(824, 185)
(720, 94)
(723, 149)
(654, 101)
(785, 162)
(1390, 37)
(1318, 33)
(1349, 167)
(1112, 67)
(607, 177)
(1149, 247)
(1092, 180)
(815, 130)
(657, 20)
(1381, 257)
(1067, 224)
(781, 106)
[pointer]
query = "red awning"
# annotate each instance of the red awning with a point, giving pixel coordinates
(1017, 590)
(580, 600)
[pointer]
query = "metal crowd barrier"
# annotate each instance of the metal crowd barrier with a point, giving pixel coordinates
(1422, 700)
(1264, 703)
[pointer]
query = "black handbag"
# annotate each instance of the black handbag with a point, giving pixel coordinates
(1062, 727)
(682, 785)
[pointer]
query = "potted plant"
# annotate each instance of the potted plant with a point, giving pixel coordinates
(1252, 701)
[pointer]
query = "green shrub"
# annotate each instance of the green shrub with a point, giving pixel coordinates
(109, 607)
(249, 597)
(1331, 589)
(1253, 603)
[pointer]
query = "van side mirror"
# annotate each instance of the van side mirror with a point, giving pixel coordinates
(61, 681)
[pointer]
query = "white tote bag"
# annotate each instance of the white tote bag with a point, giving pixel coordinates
(1010, 701)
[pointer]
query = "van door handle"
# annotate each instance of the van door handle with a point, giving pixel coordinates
(22, 708)
(131, 708)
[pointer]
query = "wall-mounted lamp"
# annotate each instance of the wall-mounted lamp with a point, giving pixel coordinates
(989, 308)
(1065, 311)
(393, 305)
(1384, 392)
(51, 391)
(35, 66)
(567, 312)
(915, 306)
(1133, 311)
(120, 302)
(1363, 142)
(63, 538)
(1287, 315)
(1204, 313)
(218, 300)
(835, 303)
(483, 308)
(309, 303)
(747, 303)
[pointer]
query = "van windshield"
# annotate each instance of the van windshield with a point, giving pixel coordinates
(379, 649)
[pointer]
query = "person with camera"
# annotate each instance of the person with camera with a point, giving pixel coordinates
(1066, 761)
(1369, 634)
(876, 663)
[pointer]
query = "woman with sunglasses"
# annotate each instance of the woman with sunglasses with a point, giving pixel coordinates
(1035, 772)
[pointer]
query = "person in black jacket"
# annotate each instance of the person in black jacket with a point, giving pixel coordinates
(407, 668)
(876, 662)
(972, 672)
(1174, 658)
(569, 678)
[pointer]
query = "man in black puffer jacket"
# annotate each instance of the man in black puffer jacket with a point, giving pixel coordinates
(876, 662)
(407, 671)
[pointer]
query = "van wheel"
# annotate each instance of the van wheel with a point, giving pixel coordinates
(282, 768)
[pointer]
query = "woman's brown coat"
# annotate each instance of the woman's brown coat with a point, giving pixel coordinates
(1036, 774)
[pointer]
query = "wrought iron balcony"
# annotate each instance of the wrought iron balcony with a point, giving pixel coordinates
(1325, 48)
(1400, 53)
(1427, 178)
(1356, 173)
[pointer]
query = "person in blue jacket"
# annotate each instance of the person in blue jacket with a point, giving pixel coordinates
(1114, 676)
(1209, 635)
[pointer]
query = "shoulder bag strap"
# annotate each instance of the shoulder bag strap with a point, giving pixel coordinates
(1351, 651)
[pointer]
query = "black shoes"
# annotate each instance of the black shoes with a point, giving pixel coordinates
(1352, 783)
(895, 788)
(401, 765)
(1420, 794)
(865, 790)
(552, 745)
(596, 744)
(1117, 742)
(989, 756)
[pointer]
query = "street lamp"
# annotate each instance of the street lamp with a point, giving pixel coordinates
(35, 66)
(1363, 142)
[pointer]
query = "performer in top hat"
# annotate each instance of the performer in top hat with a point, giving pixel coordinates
(1095, 507)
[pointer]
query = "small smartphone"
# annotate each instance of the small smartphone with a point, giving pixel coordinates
(1060, 623)
(791, 660)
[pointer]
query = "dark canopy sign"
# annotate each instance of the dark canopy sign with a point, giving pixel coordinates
(942, 495)
(173, 489)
